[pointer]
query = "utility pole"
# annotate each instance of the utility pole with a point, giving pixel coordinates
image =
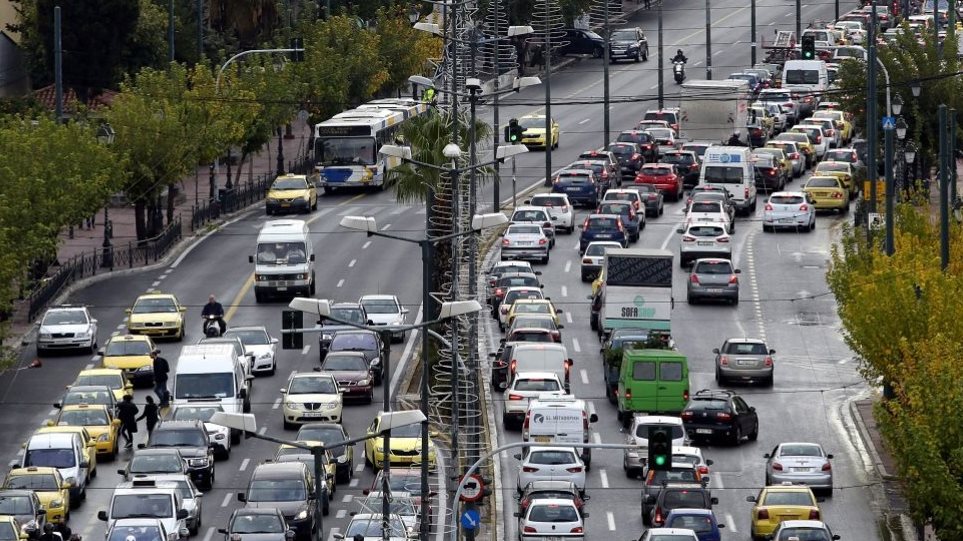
(708, 40)
(799, 19)
(200, 30)
(890, 195)
(58, 68)
(170, 30)
(427, 314)
(661, 62)
(607, 34)
(496, 186)
(944, 190)
(386, 455)
(752, 31)
(548, 93)
(872, 120)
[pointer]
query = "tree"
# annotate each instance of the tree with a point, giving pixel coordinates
(402, 49)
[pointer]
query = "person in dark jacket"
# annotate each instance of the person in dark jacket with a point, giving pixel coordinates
(161, 369)
(215, 309)
(151, 415)
(127, 413)
(734, 141)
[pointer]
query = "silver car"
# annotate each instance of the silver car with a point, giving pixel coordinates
(634, 460)
(744, 359)
(525, 241)
(190, 496)
(794, 210)
(713, 279)
(556, 464)
(67, 327)
(703, 239)
(800, 463)
(594, 257)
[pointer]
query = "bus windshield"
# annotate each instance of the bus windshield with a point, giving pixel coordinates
(346, 151)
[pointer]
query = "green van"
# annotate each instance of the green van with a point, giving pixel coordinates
(652, 381)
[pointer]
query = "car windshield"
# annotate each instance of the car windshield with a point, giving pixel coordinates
(215, 385)
(537, 385)
(83, 417)
(160, 305)
(328, 435)
(696, 523)
(111, 381)
(713, 267)
(622, 150)
(16, 505)
(598, 249)
(551, 458)
(372, 528)
(642, 431)
(833, 166)
(117, 348)
(723, 174)
(523, 230)
(250, 337)
(573, 178)
(290, 183)
(86, 397)
(41, 482)
(407, 431)
(380, 306)
(313, 385)
(656, 171)
(793, 498)
(155, 464)
(52, 458)
(178, 438)
(513, 296)
(796, 449)
(804, 534)
(746, 348)
(276, 490)
(706, 206)
(822, 182)
(354, 342)
(346, 150)
(65, 317)
(142, 506)
(259, 523)
(705, 231)
(138, 533)
(553, 513)
(7, 533)
(347, 363)
(624, 35)
(280, 253)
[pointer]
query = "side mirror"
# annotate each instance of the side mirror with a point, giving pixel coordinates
(738, 271)
(594, 418)
(585, 515)
(242, 394)
(115, 422)
(127, 311)
(560, 326)
(122, 472)
(51, 423)
(714, 501)
(85, 463)
(181, 514)
(751, 499)
(752, 408)
(41, 512)
(680, 230)
(835, 537)
(516, 514)
(503, 385)
(274, 341)
(58, 405)
(241, 497)
(765, 455)
(772, 352)
(366, 491)
(250, 259)
(820, 499)
(102, 515)
(312, 257)
(559, 310)
(142, 446)
(830, 457)
(289, 534)
(709, 462)
(284, 391)
(517, 456)
(721, 526)
(649, 499)
(433, 433)
(715, 350)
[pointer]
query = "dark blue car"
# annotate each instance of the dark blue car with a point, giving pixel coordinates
(580, 185)
(701, 521)
(601, 227)
(633, 221)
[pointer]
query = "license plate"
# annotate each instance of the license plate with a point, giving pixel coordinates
(785, 220)
(524, 243)
(604, 236)
(703, 431)
(705, 243)
(574, 189)
(801, 470)
(312, 414)
(744, 362)
(552, 538)
(282, 288)
(714, 290)
(285, 204)
(543, 439)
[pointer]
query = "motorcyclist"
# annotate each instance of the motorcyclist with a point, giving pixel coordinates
(679, 57)
(49, 534)
(214, 308)
(735, 141)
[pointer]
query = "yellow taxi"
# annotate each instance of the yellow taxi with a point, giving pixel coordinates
(532, 306)
(98, 420)
(405, 445)
(828, 193)
(157, 314)
(48, 485)
(291, 193)
(838, 117)
(90, 444)
(804, 144)
(777, 503)
(10, 529)
(130, 353)
(779, 156)
(841, 170)
(113, 378)
(533, 131)
(290, 453)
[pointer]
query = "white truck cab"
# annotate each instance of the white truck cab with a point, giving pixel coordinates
(284, 263)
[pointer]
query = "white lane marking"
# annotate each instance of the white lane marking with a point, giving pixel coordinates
(386, 226)
(568, 317)
(568, 266)
(262, 430)
(227, 499)
(604, 476)
(277, 404)
(353, 483)
(155, 283)
(730, 523)
(95, 358)
(244, 464)
(209, 534)
(575, 346)
(717, 53)
(580, 122)
(347, 498)
(584, 373)
(121, 326)
(341, 282)
(53, 412)
(306, 349)
(790, 14)
(341, 513)
(596, 437)
(365, 245)
(772, 23)
(115, 333)
(564, 291)
(359, 467)
(333, 532)
(352, 262)
(168, 271)
(611, 520)
(89, 366)
(718, 481)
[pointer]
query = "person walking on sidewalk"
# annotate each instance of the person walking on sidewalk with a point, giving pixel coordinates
(127, 413)
(151, 415)
(161, 369)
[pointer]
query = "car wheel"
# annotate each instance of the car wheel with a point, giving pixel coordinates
(766, 228)
(754, 435)
(235, 437)
(638, 57)
(735, 300)
(597, 52)
(661, 209)
(720, 379)
(326, 508)
(274, 368)
(812, 225)
(645, 55)
(736, 436)
(288, 426)
(545, 259)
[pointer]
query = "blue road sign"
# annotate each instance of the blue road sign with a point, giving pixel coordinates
(470, 519)
(889, 122)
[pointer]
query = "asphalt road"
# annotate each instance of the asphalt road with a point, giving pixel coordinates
(804, 401)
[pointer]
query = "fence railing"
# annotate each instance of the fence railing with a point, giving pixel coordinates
(105, 259)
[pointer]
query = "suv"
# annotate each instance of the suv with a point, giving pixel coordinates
(686, 163)
(578, 41)
(720, 415)
(647, 145)
(744, 359)
(560, 209)
(193, 442)
(633, 221)
(670, 115)
(628, 43)
(634, 460)
(689, 496)
(289, 487)
(579, 185)
(703, 239)
(601, 227)
(67, 327)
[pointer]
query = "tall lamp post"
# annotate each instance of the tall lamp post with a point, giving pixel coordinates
(105, 134)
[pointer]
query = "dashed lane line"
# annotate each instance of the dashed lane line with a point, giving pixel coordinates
(604, 478)
(353, 482)
(610, 518)
(209, 534)
(365, 245)
(341, 513)
(262, 430)
(568, 266)
(347, 498)
(155, 283)
(564, 291)
(576, 346)
(306, 349)
(580, 122)
(584, 374)
(244, 464)
(332, 533)
(227, 499)
(352, 262)
(341, 282)
(277, 404)
(359, 467)
(731, 523)
(89, 366)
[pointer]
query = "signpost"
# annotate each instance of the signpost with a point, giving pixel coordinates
(473, 489)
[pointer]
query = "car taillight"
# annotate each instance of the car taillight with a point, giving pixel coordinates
(723, 416)
(693, 279)
(767, 361)
(837, 195)
(794, 156)
(525, 423)
(577, 529)
(771, 172)
(804, 208)
(491, 283)
(585, 224)
(499, 364)
(529, 529)
(776, 466)
(628, 394)
(505, 242)
(819, 139)
(574, 469)
(658, 517)
(827, 466)
(513, 365)
(687, 415)
(703, 470)
(724, 360)
(814, 514)
(542, 242)
(557, 336)
(636, 157)
(685, 395)
(745, 193)
(499, 292)
(516, 397)
(587, 261)
(722, 239)
(768, 207)
(523, 503)
(762, 514)
(734, 279)
(619, 225)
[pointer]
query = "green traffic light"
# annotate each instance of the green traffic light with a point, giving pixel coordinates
(659, 460)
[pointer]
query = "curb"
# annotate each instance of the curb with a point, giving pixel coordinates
(868, 443)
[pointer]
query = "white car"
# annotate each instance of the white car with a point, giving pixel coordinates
(536, 215)
(525, 241)
(528, 386)
(221, 436)
(385, 310)
(669, 534)
(704, 240)
(551, 464)
(551, 518)
(706, 211)
(594, 257)
(634, 460)
(794, 210)
(260, 345)
(311, 397)
(665, 138)
(402, 503)
(190, 496)
(559, 208)
(141, 528)
(67, 327)
(686, 454)
(817, 138)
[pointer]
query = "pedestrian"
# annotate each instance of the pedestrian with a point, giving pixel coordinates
(648, 4)
(150, 415)
(161, 369)
(127, 413)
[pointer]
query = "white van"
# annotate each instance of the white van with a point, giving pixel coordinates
(284, 263)
(212, 373)
(562, 419)
(62, 451)
(541, 357)
(811, 74)
(147, 498)
(730, 168)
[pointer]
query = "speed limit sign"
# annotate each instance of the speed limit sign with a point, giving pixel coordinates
(472, 488)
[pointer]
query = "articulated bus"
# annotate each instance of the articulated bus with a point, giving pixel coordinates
(346, 146)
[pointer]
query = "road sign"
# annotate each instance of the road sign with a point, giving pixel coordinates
(470, 519)
(889, 122)
(472, 489)
(875, 220)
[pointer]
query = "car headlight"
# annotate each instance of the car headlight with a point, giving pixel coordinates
(56, 503)
(103, 437)
(264, 356)
(219, 437)
(330, 405)
(303, 514)
(293, 405)
(298, 200)
(46, 335)
(198, 462)
(83, 335)
(326, 337)
(376, 361)
(363, 382)
(272, 200)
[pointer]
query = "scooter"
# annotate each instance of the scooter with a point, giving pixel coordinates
(678, 70)
(212, 327)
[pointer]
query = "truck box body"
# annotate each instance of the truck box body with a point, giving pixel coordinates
(713, 110)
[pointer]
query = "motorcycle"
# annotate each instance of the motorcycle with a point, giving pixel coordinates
(212, 327)
(678, 70)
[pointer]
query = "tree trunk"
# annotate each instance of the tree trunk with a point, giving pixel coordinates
(140, 224)
(240, 163)
(171, 199)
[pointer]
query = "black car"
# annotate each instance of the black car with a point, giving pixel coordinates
(612, 356)
(578, 41)
(331, 434)
(653, 198)
(628, 43)
(595, 308)
(630, 158)
(769, 175)
(720, 415)
(367, 342)
(657, 480)
(342, 311)
(647, 144)
(509, 280)
(606, 172)
(500, 360)
(689, 496)
(288, 487)
(194, 444)
(687, 163)
(25, 507)
(154, 461)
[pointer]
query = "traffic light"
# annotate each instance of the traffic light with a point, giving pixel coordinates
(660, 448)
(513, 132)
(297, 56)
(809, 47)
(291, 320)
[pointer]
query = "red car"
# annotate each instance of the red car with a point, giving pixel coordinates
(663, 176)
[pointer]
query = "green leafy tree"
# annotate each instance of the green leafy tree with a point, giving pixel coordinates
(403, 50)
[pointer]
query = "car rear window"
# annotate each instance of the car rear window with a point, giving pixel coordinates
(602, 223)
(786, 199)
(670, 371)
(724, 174)
(833, 166)
(531, 336)
(705, 231)
(795, 449)
(615, 208)
(822, 182)
(657, 171)
(539, 384)
(553, 457)
(621, 196)
(523, 230)
(573, 179)
(529, 216)
(679, 158)
(596, 249)
(675, 475)
(547, 201)
(517, 281)
(553, 513)
(675, 431)
(622, 149)
(634, 137)
(675, 499)
(788, 498)
(706, 206)
(696, 523)
(707, 404)
(654, 115)
(713, 267)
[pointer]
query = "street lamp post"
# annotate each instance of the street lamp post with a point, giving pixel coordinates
(105, 134)
(888, 130)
